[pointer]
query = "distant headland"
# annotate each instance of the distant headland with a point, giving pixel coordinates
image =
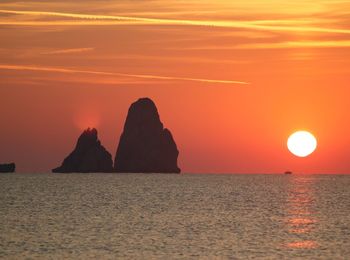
(145, 146)
(7, 167)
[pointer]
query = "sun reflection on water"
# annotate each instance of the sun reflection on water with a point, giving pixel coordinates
(301, 220)
(303, 244)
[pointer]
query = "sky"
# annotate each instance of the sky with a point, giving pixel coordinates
(231, 79)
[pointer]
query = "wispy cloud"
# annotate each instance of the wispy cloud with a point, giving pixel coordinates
(139, 76)
(66, 51)
(295, 44)
(93, 19)
(272, 45)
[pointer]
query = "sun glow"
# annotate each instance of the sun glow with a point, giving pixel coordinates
(302, 143)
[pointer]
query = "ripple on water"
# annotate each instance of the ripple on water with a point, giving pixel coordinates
(88, 216)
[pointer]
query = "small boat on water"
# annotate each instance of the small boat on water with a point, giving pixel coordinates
(287, 172)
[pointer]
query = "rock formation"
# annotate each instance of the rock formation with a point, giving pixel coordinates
(145, 146)
(8, 167)
(88, 156)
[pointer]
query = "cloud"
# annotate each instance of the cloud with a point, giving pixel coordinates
(65, 51)
(273, 45)
(93, 19)
(139, 76)
(295, 44)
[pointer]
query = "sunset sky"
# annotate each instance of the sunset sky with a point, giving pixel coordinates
(231, 79)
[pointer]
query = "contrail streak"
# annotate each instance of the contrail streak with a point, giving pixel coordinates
(141, 76)
(115, 20)
(64, 51)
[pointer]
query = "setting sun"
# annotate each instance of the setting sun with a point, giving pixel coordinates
(302, 143)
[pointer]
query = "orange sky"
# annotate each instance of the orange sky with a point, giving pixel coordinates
(231, 80)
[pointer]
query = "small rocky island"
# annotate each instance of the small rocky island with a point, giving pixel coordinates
(7, 167)
(145, 146)
(88, 156)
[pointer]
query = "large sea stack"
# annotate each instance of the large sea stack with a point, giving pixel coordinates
(145, 146)
(88, 156)
(7, 167)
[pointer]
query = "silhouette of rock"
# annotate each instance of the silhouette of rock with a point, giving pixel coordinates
(145, 146)
(7, 167)
(88, 156)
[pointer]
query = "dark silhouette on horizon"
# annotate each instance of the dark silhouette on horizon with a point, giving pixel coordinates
(88, 156)
(7, 167)
(145, 146)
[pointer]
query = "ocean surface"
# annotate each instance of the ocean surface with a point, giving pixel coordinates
(155, 216)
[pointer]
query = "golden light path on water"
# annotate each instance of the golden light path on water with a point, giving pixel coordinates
(301, 221)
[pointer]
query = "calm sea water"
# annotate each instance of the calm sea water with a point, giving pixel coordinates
(139, 216)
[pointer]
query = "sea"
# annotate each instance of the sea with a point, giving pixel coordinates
(165, 216)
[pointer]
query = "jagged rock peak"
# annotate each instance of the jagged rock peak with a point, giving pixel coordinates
(88, 139)
(88, 156)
